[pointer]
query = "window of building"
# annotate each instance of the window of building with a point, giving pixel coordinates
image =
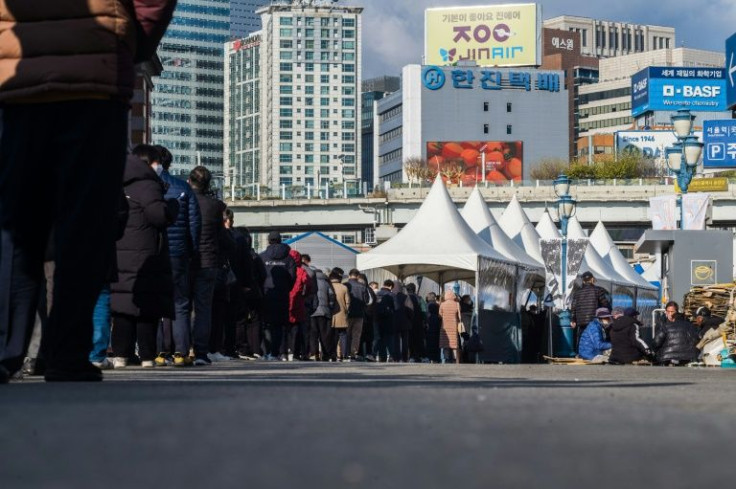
(285, 124)
(508, 107)
(285, 67)
(486, 106)
(485, 128)
(286, 147)
(508, 129)
(309, 113)
(348, 22)
(282, 20)
(286, 135)
(286, 32)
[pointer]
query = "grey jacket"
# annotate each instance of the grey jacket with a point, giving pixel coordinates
(325, 296)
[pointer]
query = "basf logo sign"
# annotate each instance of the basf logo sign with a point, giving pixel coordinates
(669, 89)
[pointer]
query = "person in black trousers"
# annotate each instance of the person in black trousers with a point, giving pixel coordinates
(144, 290)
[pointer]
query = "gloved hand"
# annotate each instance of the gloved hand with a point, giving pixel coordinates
(650, 355)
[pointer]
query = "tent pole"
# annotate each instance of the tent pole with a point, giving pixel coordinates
(476, 308)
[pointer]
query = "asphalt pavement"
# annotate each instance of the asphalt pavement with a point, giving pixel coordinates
(309, 425)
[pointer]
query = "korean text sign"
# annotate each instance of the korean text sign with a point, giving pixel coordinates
(500, 35)
(672, 88)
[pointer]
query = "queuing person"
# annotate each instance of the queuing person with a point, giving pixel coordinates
(183, 236)
(144, 291)
(253, 293)
(207, 262)
(310, 303)
(280, 277)
(340, 315)
(627, 346)
(451, 319)
(404, 312)
(297, 308)
(593, 346)
(384, 329)
(360, 299)
(366, 338)
(585, 301)
(321, 333)
(675, 342)
(417, 350)
(64, 119)
(434, 325)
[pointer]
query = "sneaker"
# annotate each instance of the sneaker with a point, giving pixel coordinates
(411, 360)
(290, 357)
(346, 360)
(370, 358)
(313, 358)
(217, 357)
(202, 361)
(256, 356)
(182, 360)
(104, 364)
(148, 363)
(119, 362)
(163, 360)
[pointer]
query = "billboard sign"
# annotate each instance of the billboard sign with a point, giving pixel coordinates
(669, 89)
(731, 68)
(650, 144)
(491, 35)
(470, 162)
(719, 138)
(436, 77)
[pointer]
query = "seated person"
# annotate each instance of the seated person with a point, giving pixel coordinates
(675, 342)
(592, 342)
(705, 321)
(627, 346)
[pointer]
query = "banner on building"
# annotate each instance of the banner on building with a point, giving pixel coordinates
(664, 212)
(551, 249)
(490, 35)
(477, 161)
(695, 210)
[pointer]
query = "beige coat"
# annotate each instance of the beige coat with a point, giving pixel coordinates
(342, 294)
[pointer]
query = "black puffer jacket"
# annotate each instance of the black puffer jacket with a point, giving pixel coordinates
(626, 344)
(144, 288)
(280, 277)
(210, 253)
(359, 298)
(676, 341)
(585, 301)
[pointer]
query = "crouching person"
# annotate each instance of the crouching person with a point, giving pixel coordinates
(593, 346)
(627, 346)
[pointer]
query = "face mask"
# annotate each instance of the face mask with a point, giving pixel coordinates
(158, 169)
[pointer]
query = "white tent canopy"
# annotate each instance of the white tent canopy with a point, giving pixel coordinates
(436, 242)
(482, 222)
(592, 261)
(517, 226)
(604, 245)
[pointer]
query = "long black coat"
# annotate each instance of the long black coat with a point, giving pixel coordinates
(280, 277)
(144, 288)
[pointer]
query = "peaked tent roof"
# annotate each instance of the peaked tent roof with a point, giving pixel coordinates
(604, 245)
(482, 222)
(437, 240)
(517, 226)
(595, 264)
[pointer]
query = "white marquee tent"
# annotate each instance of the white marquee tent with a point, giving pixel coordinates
(517, 226)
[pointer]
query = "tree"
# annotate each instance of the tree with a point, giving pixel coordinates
(549, 169)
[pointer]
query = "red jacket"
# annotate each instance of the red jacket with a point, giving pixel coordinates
(297, 308)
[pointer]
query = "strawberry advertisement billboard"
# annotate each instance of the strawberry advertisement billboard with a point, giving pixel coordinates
(476, 161)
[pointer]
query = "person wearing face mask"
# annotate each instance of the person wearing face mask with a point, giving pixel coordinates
(593, 346)
(183, 236)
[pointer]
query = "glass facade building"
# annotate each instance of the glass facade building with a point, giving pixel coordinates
(308, 87)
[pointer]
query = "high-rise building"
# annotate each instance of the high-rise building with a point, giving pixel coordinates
(309, 72)
(605, 38)
(187, 98)
(371, 91)
(243, 17)
(242, 112)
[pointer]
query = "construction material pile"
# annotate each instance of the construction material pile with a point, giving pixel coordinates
(718, 298)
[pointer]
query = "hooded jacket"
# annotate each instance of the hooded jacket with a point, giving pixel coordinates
(627, 346)
(325, 297)
(297, 308)
(592, 341)
(676, 341)
(280, 278)
(210, 253)
(144, 288)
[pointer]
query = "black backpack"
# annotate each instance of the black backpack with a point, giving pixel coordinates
(385, 307)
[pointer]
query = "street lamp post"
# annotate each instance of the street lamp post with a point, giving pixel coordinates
(565, 210)
(683, 156)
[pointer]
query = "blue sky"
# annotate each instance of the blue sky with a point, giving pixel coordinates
(393, 30)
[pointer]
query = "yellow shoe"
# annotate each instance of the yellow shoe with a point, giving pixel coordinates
(182, 361)
(162, 360)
